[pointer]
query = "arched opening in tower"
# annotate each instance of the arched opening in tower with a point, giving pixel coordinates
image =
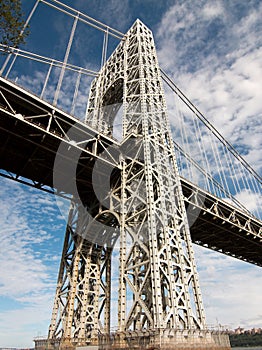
(112, 106)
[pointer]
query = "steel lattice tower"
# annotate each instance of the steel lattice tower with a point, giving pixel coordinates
(158, 281)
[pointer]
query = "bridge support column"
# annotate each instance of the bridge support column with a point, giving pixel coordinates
(158, 282)
(75, 313)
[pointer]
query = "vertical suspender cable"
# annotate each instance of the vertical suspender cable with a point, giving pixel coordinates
(231, 149)
(216, 171)
(46, 79)
(184, 142)
(11, 65)
(230, 170)
(242, 174)
(76, 92)
(233, 167)
(65, 61)
(104, 51)
(221, 168)
(254, 183)
(202, 149)
(243, 178)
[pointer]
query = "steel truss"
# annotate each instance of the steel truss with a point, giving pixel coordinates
(83, 286)
(44, 135)
(158, 282)
(158, 268)
(229, 230)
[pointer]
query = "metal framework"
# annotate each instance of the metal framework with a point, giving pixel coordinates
(158, 282)
(83, 289)
(127, 191)
(34, 134)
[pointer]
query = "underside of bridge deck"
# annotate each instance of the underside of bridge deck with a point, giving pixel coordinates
(33, 133)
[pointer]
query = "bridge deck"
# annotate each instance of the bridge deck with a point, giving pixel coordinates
(33, 133)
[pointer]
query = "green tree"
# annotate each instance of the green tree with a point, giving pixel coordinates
(12, 23)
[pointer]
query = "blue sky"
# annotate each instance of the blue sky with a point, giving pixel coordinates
(213, 51)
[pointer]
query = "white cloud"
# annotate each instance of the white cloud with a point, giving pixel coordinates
(250, 200)
(213, 9)
(19, 326)
(28, 270)
(114, 13)
(224, 83)
(231, 290)
(201, 47)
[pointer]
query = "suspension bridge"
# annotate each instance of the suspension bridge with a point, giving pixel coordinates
(130, 178)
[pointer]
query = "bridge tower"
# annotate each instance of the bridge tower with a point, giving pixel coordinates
(158, 289)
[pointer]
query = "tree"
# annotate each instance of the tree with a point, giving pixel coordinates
(12, 24)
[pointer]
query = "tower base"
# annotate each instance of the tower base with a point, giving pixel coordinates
(167, 339)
